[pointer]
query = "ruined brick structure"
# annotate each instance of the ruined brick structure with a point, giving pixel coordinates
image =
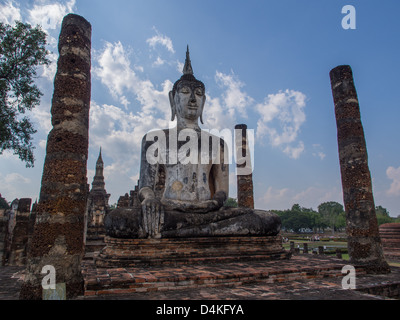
(129, 200)
(364, 243)
(96, 210)
(3, 228)
(390, 236)
(98, 197)
(58, 237)
(17, 232)
(245, 197)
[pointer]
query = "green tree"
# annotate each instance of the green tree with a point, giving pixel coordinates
(22, 50)
(3, 203)
(231, 202)
(298, 218)
(332, 212)
(382, 215)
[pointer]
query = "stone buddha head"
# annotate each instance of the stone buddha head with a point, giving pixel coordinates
(187, 97)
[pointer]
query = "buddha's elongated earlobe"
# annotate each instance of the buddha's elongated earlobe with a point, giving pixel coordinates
(202, 108)
(173, 108)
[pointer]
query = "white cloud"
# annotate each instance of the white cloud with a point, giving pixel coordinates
(14, 186)
(160, 39)
(179, 66)
(115, 72)
(43, 144)
(221, 112)
(294, 152)
(158, 62)
(12, 178)
(393, 174)
(312, 197)
(49, 14)
(273, 199)
(234, 98)
(281, 117)
(318, 151)
(10, 12)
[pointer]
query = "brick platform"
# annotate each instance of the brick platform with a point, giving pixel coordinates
(129, 280)
(139, 252)
(274, 282)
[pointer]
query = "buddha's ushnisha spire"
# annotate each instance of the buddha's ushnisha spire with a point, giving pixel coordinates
(187, 69)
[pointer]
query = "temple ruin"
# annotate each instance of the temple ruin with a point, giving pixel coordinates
(176, 214)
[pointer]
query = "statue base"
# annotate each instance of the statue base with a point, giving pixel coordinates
(176, 251)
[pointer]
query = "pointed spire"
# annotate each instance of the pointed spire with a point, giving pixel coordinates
(100, 159)
(187, 69)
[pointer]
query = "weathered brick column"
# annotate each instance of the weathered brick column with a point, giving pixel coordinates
(245, 197)
(58, 237)
(364, 243)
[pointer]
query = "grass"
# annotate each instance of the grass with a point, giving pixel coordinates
(330, 245)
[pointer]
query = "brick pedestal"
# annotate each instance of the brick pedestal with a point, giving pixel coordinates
(135, 252)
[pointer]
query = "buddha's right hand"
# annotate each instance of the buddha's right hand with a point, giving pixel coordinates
(152, 218)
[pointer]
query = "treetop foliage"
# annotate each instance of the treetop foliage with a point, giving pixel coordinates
(22, 50)
(329, 215)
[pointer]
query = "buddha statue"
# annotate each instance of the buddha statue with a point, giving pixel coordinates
(184, 180)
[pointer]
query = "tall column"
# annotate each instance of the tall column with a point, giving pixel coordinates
(364, 243)
(243, 165)
(58, 238)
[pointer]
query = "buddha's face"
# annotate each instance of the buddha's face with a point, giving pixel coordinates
(189, 100)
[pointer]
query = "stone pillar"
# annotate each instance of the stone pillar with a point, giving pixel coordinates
(58, 238)
(305, 248)
(364, 243)
(245, 197)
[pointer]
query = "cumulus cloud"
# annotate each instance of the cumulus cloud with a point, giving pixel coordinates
(117, 131)
(49, 14)
(281, 117)
(317, 151)
(234, 98)
(14, 185)
(274, 198)
(393, 174)
(160, 39)
(158, 62)
(10, 12)
(115, 72)
(222, 111)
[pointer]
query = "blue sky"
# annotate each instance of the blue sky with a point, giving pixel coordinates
(264, 63)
